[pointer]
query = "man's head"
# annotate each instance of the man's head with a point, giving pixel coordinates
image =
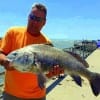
(37, 18)
(40, 7)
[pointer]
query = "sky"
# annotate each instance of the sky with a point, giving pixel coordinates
(66, 19)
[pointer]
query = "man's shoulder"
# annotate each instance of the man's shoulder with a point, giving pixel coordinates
(46, 38)
(15, 31)
(17, 28)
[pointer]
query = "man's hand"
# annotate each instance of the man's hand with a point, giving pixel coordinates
(7, 64)
(55, 71)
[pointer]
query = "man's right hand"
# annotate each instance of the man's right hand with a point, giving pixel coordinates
(5, 62)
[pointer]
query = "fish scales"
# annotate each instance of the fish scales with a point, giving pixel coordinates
(40, 58)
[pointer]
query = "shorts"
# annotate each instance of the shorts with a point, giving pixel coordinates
(7, 96)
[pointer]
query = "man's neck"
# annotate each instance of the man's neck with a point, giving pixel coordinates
(35, 34)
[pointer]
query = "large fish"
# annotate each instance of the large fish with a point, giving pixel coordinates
(40, 58)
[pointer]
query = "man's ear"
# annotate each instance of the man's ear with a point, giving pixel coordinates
(44, 22)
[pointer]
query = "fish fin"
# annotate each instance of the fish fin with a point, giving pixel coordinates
(79, 58)
(41, 80)
(95, 84)
(77, 79)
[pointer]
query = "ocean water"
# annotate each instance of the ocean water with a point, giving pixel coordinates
(2, 69)
(62, 43)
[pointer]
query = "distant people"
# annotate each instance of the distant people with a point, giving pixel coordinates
(98, 43)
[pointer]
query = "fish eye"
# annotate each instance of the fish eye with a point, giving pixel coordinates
(15, 54)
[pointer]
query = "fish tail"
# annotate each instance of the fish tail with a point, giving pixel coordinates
(95, 84)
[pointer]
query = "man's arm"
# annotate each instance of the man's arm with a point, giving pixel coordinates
(2, 58)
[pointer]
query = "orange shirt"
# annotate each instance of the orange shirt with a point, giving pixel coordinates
(23, 85)
(0, 41)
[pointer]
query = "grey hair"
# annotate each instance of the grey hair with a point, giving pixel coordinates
(40, 7)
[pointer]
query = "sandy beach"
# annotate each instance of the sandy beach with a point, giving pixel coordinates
(68, 90)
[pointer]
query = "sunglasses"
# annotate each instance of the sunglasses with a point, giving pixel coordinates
(33, 17)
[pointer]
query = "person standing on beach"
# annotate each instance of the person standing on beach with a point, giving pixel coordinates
(24, 86)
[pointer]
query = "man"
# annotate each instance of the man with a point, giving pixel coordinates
(18, 85)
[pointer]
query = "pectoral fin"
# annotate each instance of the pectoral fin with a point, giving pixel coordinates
(41, 80)
(77, 79)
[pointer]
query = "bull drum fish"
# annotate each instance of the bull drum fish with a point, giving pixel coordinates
(39, 59)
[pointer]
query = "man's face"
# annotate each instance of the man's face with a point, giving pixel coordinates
(36, 19)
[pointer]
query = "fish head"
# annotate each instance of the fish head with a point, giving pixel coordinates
(22, 61)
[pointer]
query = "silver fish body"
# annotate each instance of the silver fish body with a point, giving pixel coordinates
(40, 58)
